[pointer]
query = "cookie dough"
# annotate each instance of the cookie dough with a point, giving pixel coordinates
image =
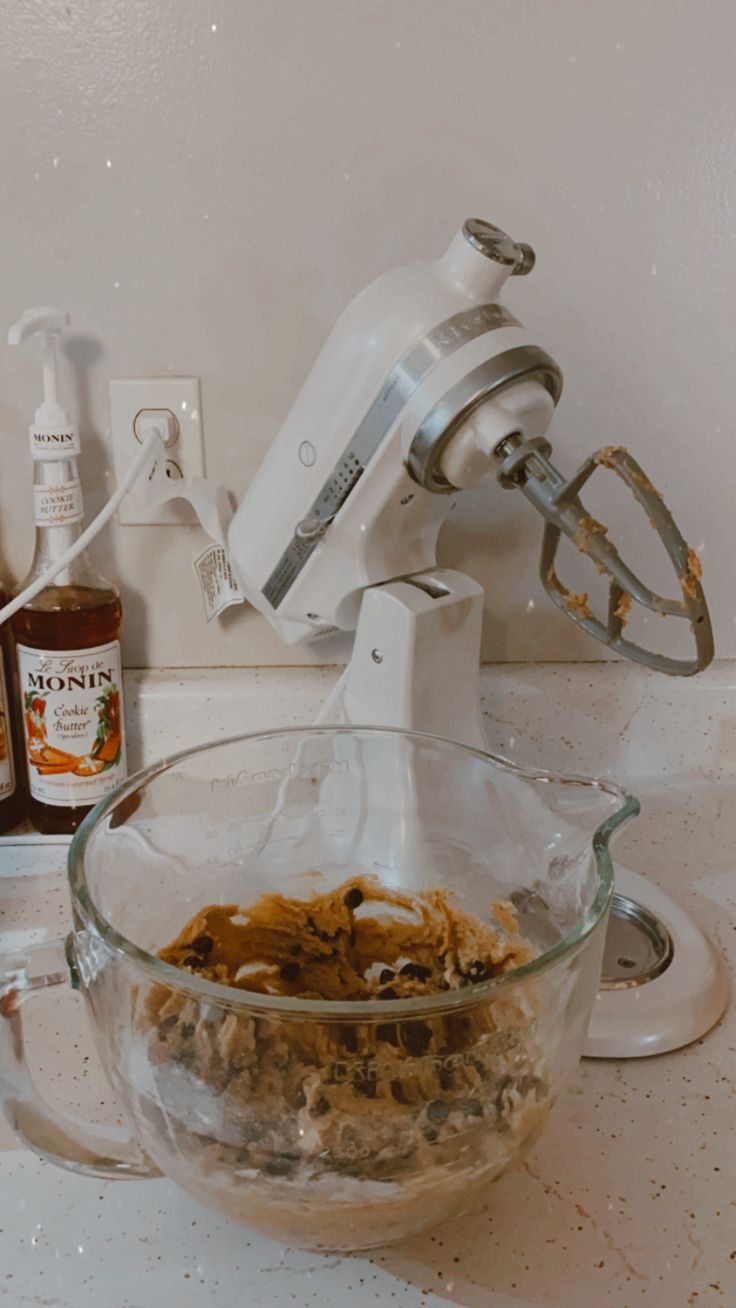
(331, 1132)
(333, 947)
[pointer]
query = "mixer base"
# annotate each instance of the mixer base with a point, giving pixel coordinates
(663, 983)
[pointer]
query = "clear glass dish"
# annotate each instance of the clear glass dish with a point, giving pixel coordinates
(326, 1124)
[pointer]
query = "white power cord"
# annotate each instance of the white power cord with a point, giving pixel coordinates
(153, 448)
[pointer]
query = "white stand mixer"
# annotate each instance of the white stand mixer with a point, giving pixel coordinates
(425, 386)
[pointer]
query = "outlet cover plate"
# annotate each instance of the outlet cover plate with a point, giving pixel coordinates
(130, 395)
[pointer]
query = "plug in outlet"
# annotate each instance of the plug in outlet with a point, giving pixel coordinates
(129, 398)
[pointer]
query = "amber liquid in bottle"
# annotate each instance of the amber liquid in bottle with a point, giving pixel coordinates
(78, 611)
(12, 797)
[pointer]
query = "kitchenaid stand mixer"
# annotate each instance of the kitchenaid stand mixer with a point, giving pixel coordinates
(426, 386)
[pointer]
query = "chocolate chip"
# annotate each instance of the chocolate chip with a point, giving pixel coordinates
(203, 945)
(353, 898)
(388, 1033)
(415, 1038)
(386, 975)
(367, 1088)
(324, 936)
(457, 1030)
(187, 1030)
(501, 1100)
(529, 1083)
(430, 1134)
(446, 1078)
(281, 1165)
(415, 972)
(289, 971)
(472, 1107)
(167, 1022)
(478, 971)
(192, 961)
(320, 1107)
(300, 1099)
(438, 1111)
(349, 1039)
(398, 1092)
(387, 993)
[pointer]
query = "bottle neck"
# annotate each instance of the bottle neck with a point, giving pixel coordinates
(59, 516)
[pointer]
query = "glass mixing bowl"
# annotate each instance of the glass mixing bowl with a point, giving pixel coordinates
(326, 1124)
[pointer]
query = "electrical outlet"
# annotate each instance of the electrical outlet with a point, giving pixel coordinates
(129, 397)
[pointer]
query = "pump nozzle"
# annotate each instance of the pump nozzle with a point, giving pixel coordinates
(52, 435)
(37, 320)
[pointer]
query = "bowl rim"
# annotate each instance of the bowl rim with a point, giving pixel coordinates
(326, 1009)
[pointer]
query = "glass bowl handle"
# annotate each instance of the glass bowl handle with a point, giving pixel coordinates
(51, 1133)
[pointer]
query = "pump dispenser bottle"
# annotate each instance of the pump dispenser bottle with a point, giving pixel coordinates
(67, 638)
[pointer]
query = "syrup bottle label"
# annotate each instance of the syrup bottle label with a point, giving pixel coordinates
(58, 504)
(7, 771)
(73, 722)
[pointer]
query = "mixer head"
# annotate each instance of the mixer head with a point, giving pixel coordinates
(425, 386)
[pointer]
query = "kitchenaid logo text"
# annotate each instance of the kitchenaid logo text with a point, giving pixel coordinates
(360, 1070)
(309, 771)
(70, 674)
(467, 325)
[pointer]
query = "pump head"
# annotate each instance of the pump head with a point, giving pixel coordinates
(51, 434)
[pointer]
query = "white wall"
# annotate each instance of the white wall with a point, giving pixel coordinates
(205, 183)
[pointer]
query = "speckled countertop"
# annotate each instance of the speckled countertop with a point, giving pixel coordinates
(628, 1199)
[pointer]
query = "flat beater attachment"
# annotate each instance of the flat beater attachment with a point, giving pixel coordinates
(526, 465)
